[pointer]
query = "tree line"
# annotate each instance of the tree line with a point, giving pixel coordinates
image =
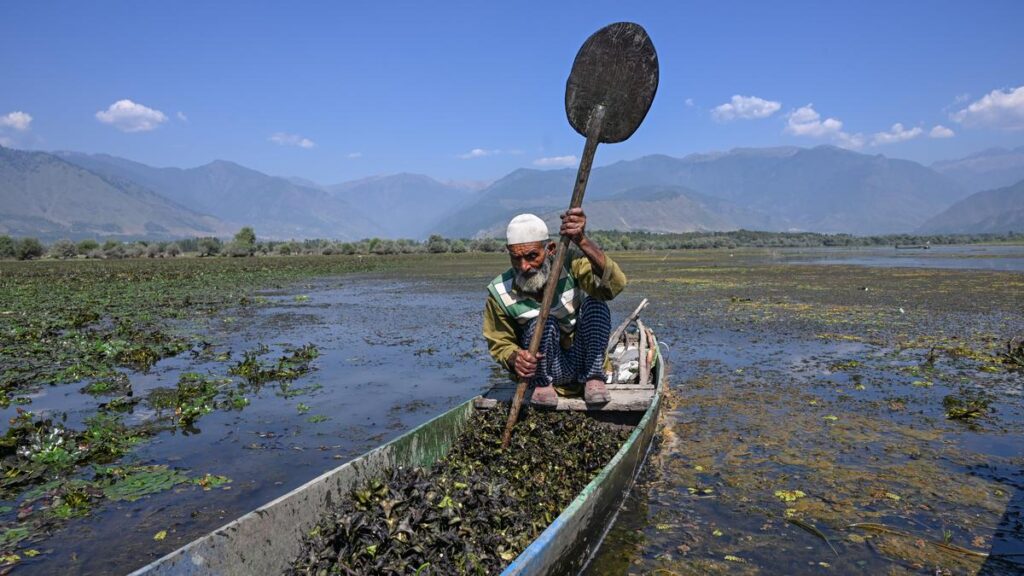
(246, 244)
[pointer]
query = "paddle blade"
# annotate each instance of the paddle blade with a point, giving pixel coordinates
(616, 67)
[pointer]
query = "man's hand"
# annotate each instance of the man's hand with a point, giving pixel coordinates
(574, 224)
(525, 364)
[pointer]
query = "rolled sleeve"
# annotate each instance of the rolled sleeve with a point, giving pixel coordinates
(606, 287)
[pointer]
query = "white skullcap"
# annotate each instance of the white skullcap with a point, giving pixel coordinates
(524, 229)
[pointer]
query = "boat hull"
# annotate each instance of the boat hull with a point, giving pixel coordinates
(568, 544)
(266, 540)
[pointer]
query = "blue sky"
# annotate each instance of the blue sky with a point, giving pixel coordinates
(335, 91)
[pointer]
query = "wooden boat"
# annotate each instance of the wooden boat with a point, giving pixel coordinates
(267, 539)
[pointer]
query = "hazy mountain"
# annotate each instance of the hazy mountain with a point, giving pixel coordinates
(657, 209)
(42, 195)
(275, 207)
(523, 190)
(468, 185)
(999, 210)
(299, 181)
(992, 168)
(822, 189)
(405, 205)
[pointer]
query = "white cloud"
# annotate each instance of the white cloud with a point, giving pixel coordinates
(940, 131)
(559, 161)
(128, 116)
(745, 108)
(6, 142)
(478, 153)
(997, 109)
(806, 121)
(354, 155)
(896, 134)
(284, 139)
(482, 152)
(182, 117)
(18, 120)
(689, 102)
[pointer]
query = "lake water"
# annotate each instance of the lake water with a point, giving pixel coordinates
(397, 349)
(393, 354)
(967, 257)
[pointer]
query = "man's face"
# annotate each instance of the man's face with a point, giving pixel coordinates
(531, 264)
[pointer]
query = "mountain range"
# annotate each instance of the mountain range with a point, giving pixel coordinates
(992, 168)
(989, 211)
(821, 189)
(239, 196)
(45, 196)
(404, 205)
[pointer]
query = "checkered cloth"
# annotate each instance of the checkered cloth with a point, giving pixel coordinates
(584, 360)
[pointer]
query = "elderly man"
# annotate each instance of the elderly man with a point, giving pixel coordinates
(572, 351)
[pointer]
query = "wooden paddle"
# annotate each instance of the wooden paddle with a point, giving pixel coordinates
(608, 93)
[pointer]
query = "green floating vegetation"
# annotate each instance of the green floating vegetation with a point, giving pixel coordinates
(196, 395)
(789, 495)
(193, 397)
(131, 484)
(1013, 358)
(288, 367)
(115, 384)
(11, 536)
(47, 506)
(474, 510)
(966, 405)
(35, 450)
(75, 321)
(210, 481)
(285, 390)
(42, 460)
(107, 438)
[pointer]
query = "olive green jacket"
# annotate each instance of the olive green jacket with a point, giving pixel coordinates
(502, 331)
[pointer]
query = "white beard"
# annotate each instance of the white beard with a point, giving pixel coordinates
(533, 283)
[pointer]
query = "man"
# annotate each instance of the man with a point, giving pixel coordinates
(572, 350)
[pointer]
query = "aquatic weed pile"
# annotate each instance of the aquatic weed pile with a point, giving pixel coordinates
(473, 511)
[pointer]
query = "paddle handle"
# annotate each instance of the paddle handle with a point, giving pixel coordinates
(580, 188)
